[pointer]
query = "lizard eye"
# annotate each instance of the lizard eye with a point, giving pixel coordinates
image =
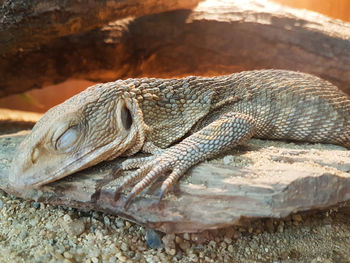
(126, 117)
(67, 139)
(35, 155)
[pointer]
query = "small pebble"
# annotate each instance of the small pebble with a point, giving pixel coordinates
(169, 240)
(178, 239)
(119, 222)
(228, 240)
(227, 159)
(185, 245)
(95, 215)
(186, 236)
(53, 242)
(67, 218)
(107, 221)
(280, 228)
(130, 253)
(36, 205)
(230, 249)
(124, 247)
(67, 255)
(212, 243)
(74, 228)
(200, 238)
(170, 251)
(297, 218)
(153, 239)
(92, 229)
(23, 234)
(34, 221)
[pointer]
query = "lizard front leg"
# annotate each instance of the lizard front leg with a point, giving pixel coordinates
(148, 147)
(228, 130)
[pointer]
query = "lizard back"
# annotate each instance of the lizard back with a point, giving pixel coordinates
(284, 104)
(289, 105)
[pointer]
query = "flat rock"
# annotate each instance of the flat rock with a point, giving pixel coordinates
(259, 179)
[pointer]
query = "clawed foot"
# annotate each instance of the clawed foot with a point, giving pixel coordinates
(151, 168)
(228, 130)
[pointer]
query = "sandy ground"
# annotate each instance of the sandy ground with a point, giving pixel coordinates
(35, 232)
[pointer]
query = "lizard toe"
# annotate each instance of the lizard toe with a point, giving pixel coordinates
(151, 176)
(171, 179)
(130, 179)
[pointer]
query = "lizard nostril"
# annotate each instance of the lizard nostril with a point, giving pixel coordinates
(35, 155)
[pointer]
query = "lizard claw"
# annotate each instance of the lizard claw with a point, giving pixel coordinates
(222, 134)
(151, 172)
(117, 192)
(161, 194)
(163, 191)
(131, 179)
(115, 171)
(131, 164)
(128, 200)
(172, 178)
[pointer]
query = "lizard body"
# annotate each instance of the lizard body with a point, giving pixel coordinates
(181, 121)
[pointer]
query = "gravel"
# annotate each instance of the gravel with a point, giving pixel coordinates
(35, 232)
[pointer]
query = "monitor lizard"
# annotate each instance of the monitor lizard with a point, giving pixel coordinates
(180, 122)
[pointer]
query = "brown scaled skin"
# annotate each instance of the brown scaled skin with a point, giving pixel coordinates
(181, 122)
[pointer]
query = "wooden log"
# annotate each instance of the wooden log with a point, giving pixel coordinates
(26, 25)
(208, 40)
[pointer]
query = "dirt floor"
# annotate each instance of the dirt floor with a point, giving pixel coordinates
(35, 232)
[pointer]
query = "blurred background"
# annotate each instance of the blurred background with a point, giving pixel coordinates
(40, 100)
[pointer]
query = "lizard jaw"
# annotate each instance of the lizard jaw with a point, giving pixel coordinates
(23, 177)
(26, 176)
(23, 174)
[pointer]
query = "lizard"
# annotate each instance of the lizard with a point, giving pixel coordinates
(180, 122)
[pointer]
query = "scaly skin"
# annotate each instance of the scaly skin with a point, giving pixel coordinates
(181, 121)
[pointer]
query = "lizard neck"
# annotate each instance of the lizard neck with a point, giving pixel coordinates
(170, 107)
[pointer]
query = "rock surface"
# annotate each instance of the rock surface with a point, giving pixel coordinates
(260, 179)
(216, 37)
(26, 24)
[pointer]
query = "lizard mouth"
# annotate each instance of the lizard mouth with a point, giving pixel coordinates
(32, 177)
(20, 179)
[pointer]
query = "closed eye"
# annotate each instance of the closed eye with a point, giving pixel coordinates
(68, 139)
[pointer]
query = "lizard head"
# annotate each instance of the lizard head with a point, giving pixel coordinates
(96, 125)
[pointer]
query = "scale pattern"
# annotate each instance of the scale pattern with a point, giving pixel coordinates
(215, 114)
(180, 122)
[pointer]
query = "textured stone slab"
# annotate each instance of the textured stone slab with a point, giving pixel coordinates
(261, 179)
(216, 37)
